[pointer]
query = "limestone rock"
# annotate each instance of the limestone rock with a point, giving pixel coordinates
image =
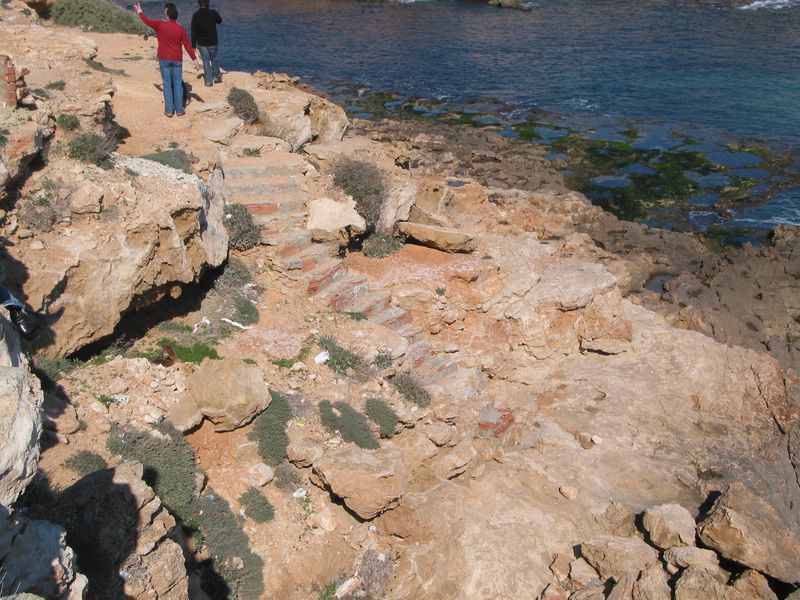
(87, 198)
(751, 585)
(685, 556)
(222, 133)
(397, 206)
(669, 525)
(696, 582)
(259, 475)
(441, 238)
(119, 530)
(369, 482)
(36, 559)
(651, 585)
(332, 221)
(229, 392)
(20, 417)
(746, 529)
(301, 450)
(613, 557)
(59, 415)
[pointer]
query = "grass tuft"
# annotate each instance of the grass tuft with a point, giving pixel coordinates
(243, 233)
(269, 429)
(411, 389)
(341, 359)
(256, 506)
(382, 414)
(244, 105)
(364, 182)
(84, 462)
(175, 158)
(68, 122)
(380, 245)
(92, 148)
(350, 424)
(59, 85)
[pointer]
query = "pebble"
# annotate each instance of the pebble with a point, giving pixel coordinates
(37, 245)
(597, 440)
(569, 492)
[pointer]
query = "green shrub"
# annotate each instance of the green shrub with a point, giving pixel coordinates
(380, 245)
(340, 359)
(55, 368)
(168, 459)
(269, 429)
(286, 478)
(350, 423)
(175, 158)
(411, 389)
(256, 506)
(68, 122)
(91, 148)
(246, 311)
(96, 15)
(175, 327)
(193, 354)
(382, 414)
(243, 233)
(244, 105)
(364, 182)
(251, 152)
(84, 462)
(235, 275)
(382, 360)
(40, 92)
(356, 316)
(305, 349)
(59, 85)
(106, 400)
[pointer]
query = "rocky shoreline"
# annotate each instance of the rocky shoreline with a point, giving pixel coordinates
(500, 408)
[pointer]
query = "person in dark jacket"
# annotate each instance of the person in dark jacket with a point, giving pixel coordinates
(171, 38)
(204, 38)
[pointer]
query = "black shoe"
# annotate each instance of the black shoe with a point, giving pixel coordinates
(26, 322)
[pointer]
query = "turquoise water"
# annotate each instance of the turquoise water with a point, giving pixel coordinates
(717, 74)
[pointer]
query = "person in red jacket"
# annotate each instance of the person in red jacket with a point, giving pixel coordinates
(171, 36)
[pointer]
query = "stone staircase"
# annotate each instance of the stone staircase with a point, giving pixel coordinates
(273, 191)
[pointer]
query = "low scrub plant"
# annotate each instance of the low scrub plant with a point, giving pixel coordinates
(382, 360)
(84, 462)
(244, 105)
(243, 233)
(269, 429)
(381, 413)
(256, 506)
(305, 350)
(246, 312)
(364, 183)
(68, 122)
(194, 353)
(235, 275)
(54, 369)
(286, 478)
(340, 359)
(380, 245)
(411, 389)
(40, 93)
(175, 158)
(58, 84)
(96, 15)
(42, 210)
(350, 424)
(92, 148)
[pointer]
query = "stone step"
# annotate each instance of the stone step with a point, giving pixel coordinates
(261, 187)
(267, 217)
(287, 241)
(244, 171)
(393, 317)
(340, 295)
(371, 303)
(306, 260)
(321, 277)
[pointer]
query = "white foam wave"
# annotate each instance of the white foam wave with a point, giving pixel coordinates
(770, 4)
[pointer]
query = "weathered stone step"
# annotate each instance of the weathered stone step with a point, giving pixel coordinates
(393, 317)
(306, 260)
(371, 303)
(260, 187)
(340, 295)
(269, 213)
(325, 275)
(243, 171)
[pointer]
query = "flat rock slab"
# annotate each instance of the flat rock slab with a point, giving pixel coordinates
(441, 238)
(614, 557)
(223, 132)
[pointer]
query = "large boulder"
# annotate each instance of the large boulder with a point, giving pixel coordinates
(152, 236)
(20, 417)
(747, 529)
(369, 482)
(123, 535)
(229, 392)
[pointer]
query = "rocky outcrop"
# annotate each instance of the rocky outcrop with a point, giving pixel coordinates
(369, 483)
(748, 530)
(20, 417)
(123, 535)
(229, 392)
(129, 244)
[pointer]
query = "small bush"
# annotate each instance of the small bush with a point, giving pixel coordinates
(59, 85)
(382, 360)
(243, 234)
(382, 414)
(246, 311)
(168, 459)
(235, 275)
(96, 15)
(256, 506)
(84, 462)
(364, 182)
(286, 478)
(410, 389)
(106, 400)
(350, 424)
(91, 148)
(55, 368)
(380, 245)
(305, 349)
(244, 105)
(43, 210)
(341, 359)
(269, 429)
(175, 158)
(68, 122)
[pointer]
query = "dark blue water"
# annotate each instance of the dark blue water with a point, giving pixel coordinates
(720, 73)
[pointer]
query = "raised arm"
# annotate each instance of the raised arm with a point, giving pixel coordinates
(152, 24)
